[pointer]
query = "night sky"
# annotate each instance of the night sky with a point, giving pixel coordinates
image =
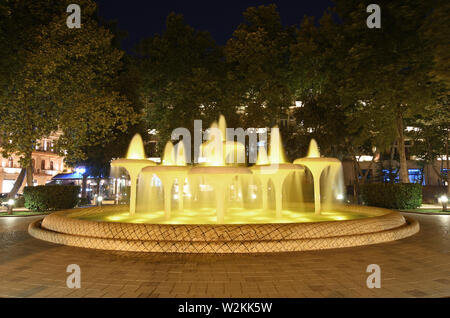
(143, 18)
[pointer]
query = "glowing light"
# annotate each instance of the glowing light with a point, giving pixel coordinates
(443, 199)
(80, 171)
(11, 202)
(340, 197)
(365, 158)
(100, 199)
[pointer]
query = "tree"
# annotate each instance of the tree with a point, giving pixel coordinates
(182, 73)
(258, 57)
(389, 66)
(318, 68)
(58, 79)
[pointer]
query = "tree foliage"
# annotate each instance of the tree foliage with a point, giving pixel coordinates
(58, 79)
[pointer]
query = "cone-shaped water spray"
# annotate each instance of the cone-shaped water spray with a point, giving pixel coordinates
(313, 151)
(169, 155)
(223, 127)
(181, 154)
(136, 148)
(276, 151)
(263, 158)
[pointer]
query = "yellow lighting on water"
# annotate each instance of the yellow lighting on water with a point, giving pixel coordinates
(115, 218)
(233, 216)
(313, 151)
(136, 149)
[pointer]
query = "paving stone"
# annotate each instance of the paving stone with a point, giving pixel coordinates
(414, 267)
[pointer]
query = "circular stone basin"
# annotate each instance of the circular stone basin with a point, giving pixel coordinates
(91, 228)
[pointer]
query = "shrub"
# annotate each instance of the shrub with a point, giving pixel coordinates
(47, 198)
(392, 195)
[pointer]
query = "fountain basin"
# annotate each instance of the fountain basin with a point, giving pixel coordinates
(77, 228)
(272, 169)
(220, 170)
(166, 169)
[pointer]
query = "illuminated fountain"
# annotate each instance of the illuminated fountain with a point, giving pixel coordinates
(225, 205)
(316, 166)
(273, 168)
(173, 169)
(134, 163)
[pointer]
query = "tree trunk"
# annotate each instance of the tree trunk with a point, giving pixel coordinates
(404, 176)
(448, 162)
(356, 186)
(98, 187)
(30, 176)
(16, 187)
(84, 186)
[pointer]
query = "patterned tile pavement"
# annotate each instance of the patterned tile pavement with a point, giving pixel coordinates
(418, 266)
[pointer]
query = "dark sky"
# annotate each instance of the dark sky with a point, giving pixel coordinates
(143, 18)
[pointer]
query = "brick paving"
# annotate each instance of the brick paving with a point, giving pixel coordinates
(415, 267)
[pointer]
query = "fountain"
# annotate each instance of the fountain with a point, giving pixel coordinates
(134, 163)
(225, 205)
(316, 166)
(273, 168)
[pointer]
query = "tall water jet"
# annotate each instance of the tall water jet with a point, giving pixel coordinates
(273, 168)
(317, 165)
(276, 150)
(223, 128)
(181, 154)
(216, 152)
(313, 151)
(134, 163)
(136, 148)
(169, 155)
(213, 151)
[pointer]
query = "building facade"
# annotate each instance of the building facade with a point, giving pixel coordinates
(46, 164)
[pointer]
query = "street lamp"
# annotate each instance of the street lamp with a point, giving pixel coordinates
(10, 203)
(444, 201)
(99, 200)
